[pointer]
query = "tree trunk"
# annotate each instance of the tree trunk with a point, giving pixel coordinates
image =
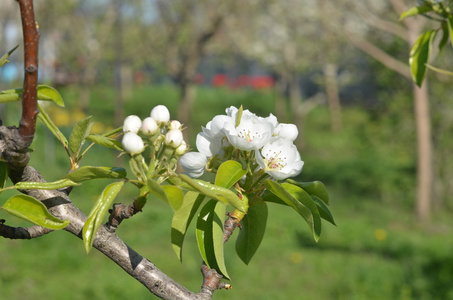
(187, 98)
(280, 98)
(333, 97)
(295, 100)
(424, 153)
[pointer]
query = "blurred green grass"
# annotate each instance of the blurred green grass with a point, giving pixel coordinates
(377, 251)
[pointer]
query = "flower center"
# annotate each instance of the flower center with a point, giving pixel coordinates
(274, 161)
(248, 135)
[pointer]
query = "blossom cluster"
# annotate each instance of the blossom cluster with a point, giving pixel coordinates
(269, 142)
(157, 124)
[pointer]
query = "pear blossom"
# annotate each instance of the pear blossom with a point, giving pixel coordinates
(132, 123)
(287, 131)
(149, 126)
(132, 143)
(194, 163)
(174, 138)
(175, 124)
(160, 114)
(182, 149)
(280, 158)
(251, 134)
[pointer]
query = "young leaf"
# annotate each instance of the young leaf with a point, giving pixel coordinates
(89, 172)
(450, 27)
(156, 189)
(175, 196)
(33, 210)
(4, 58)
(419, 55)
(105, 141)
(229, 173)
(79, 133)
(300, 201)
(323, 209)
(98, 213)
(5, 98)
(210, 235)
(48, 93)
(416, 10)
(313, 188)
(252, 232)
(216, 192)
(182, 218)
(45, 93)
(44, 117)
(32, 185)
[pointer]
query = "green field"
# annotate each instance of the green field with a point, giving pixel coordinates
(376, 251)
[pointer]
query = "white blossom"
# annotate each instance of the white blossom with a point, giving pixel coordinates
(149, 126)
(182, 149)
(174, 138)
(286, 131)
(132, 124)
(280, 158)
(251, 134)
(132, 143)
(175, 124)
(194, 163)
(160, 114)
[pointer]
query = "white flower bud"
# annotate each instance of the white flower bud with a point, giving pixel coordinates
(160, 114)
(194, 163)
(287, 131)
(132, 124)
(132, 143)
(175, 124)
(174, 138)
(182, 149)
(149, 126)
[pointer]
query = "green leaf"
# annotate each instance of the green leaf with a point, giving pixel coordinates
(252, 232)
(45, 93)
(4, 58)
(156, 189)
(182, 218)
(175, 196)
(229, 173)
(210, 235)
(300, 201)
(323, 209)
(32, 185)
(450, 27)
(313, 188)
(105, 141)
(445, 35)
(3, 175)
(216, 192)
(32, 210)
(98, 213)
(419, 55)
(44, 117)
(48, 93)
(89, 172)
(416, 10)
(79, 133)
(5, 98)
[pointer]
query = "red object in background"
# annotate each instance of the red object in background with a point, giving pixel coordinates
(220, 80)
(254, 82)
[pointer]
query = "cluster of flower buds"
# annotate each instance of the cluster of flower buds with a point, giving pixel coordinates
(162, 135)
(264, 142)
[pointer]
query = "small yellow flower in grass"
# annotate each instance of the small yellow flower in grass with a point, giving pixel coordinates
(380, 234)
(296, 257)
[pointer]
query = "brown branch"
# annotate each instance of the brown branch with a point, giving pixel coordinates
(29, 95)
(22, 233)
